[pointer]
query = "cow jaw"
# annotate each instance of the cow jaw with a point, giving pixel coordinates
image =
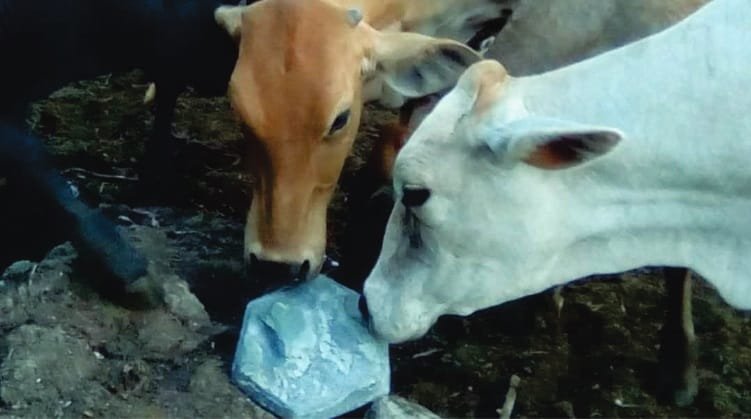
(413, 312)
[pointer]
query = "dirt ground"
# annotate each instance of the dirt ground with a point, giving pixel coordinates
(65, 351)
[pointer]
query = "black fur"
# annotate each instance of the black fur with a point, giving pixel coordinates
(45, 44)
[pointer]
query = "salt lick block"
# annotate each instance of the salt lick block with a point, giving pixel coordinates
(307, 352)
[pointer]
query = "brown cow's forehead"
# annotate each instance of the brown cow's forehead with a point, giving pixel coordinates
(299, 61)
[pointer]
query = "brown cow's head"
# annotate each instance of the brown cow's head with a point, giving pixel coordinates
(298, 88)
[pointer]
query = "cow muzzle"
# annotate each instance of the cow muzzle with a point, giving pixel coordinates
(277, 274)
(285, 233)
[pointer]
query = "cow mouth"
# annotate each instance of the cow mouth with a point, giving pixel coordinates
(272, 275)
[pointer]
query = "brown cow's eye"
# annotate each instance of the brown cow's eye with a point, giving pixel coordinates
(340, 122)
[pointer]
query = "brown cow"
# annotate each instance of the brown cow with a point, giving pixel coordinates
(304, 70)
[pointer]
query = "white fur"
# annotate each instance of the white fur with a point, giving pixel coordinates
(676, 190)
(456, 19)
(545, 35)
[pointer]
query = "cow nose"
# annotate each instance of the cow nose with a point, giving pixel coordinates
(414, 196)
(277, 273)
(363, 306)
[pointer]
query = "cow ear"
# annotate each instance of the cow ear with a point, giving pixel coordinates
(415, 65)
(552, 144)
(230, 18)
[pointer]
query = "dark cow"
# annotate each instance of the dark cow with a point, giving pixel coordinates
(45, 44)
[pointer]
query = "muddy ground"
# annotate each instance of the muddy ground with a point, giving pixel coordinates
(68, 352)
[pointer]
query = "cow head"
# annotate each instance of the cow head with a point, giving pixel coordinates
(298, 89)
(480, 210)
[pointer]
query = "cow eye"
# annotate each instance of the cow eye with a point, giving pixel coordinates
(339, 122)
(414, 196)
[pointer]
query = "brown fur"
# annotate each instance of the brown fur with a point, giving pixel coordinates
(391, 139)
(302, 63)
(310, 71)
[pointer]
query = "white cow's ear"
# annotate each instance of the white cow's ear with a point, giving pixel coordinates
(552, 144)
(416, 65)
(230, 18)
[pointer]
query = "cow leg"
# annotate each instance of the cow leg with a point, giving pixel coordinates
(23, 161)
(158, 174)
(677, 381)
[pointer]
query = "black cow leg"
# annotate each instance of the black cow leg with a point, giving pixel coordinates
(159, 170)
(677, 380)
(24, 163)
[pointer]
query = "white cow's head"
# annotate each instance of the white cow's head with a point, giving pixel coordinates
(480, 210)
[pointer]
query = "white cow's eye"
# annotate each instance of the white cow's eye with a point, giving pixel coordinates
(414, 196)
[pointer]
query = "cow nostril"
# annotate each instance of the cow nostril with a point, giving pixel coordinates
(253, 259)
(362, 304)
(413, 196)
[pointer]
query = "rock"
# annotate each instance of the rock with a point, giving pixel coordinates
(209, 383)
(306, 352)
(183, 303)
(565, 409)
(27, 284)
(43, 366)
(398, 407)
(162, 336)
(62, 255)
(18, 271)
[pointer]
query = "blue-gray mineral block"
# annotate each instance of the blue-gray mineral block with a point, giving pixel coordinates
(307, 352)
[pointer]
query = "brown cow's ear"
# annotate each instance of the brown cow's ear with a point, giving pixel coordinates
(416, 65)
(230, 18)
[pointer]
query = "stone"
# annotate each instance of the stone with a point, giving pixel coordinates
(18, 271)
(180, 301)
(42, 365)
(307, 352)
(393, 407)
(210, 383)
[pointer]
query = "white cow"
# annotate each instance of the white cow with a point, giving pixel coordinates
(549, 34)
(635, 157)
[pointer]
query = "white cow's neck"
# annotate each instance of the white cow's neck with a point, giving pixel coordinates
(709, 233)
(677, 190)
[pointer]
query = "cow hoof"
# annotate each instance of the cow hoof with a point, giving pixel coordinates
(145, 292)
(677, 379)
(104, 248)
(685, 396)
(678, 387)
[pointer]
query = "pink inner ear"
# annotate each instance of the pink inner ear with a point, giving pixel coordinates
(558, 153)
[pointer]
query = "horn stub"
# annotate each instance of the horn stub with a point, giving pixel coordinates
(354, 16)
